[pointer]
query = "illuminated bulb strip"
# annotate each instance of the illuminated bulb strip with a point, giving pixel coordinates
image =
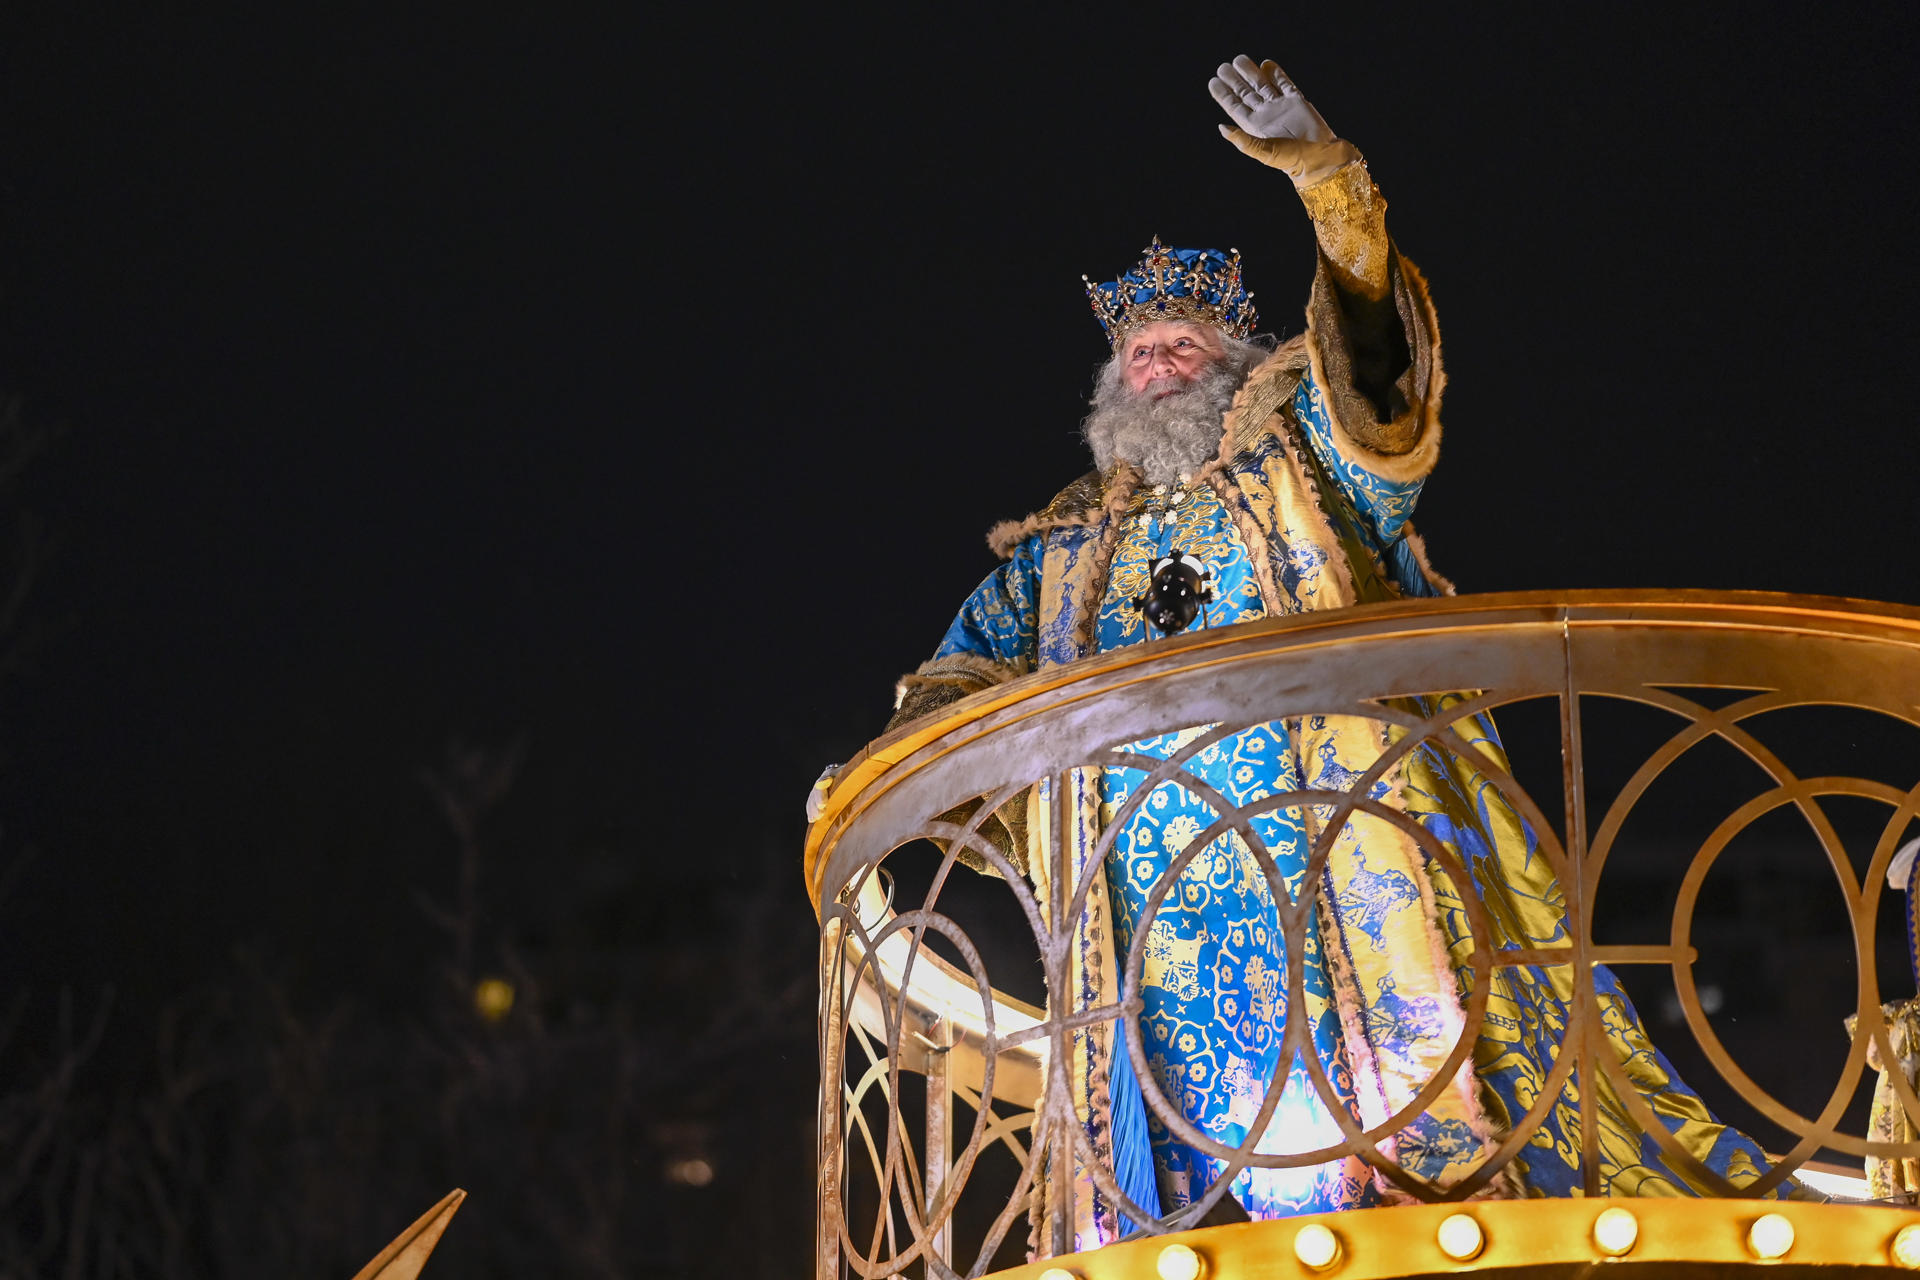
(1460, 1237)
(1615, 1232)
(1178, 1262)
(1770, 1237)
(1317, 1248)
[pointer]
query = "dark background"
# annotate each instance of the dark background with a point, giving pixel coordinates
(612, 406)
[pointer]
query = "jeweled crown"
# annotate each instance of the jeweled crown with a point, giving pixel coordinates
(1202, 285)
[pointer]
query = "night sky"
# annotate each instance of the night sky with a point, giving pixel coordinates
(643, 392)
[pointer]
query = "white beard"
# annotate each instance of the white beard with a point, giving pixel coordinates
(1173, 436)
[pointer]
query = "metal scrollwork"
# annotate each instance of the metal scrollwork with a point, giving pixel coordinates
(945, 1117)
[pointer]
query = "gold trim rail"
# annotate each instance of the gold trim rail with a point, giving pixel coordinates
(904, 1030)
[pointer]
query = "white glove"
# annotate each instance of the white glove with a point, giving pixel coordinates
(1275, 124)
(817, 797)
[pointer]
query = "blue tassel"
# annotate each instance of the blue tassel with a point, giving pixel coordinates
(1132, 1147)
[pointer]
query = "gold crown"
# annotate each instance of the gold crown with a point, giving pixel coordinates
(1201, 285)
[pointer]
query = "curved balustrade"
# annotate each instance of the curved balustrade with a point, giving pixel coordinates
(915, 1039)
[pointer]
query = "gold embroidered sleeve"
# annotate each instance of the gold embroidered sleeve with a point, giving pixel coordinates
(1350, 222)
(1371, 331)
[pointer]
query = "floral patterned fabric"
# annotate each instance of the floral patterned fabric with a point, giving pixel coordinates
(1214, 962)
(1384, 970)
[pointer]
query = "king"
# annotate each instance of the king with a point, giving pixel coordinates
(1236, 479)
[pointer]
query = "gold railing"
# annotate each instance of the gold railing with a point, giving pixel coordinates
(914, 1038)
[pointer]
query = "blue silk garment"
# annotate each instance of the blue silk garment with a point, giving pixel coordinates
(1214, 977)
(1214, 974)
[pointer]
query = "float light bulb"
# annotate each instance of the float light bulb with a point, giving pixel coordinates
(1770, 1236)
(1058, 1273)
(1905, 1248)
(1460, 1237)
(1616, 1231)
(1178, 1262)
(1316, 1247)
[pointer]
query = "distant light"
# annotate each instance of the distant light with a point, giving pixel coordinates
(1770, 1237)
(690, 1173)
(1905, 1249)
(1316, 1247)
(1616, 1231)
(493, 998)
(1460, 1237)
(1178, 1262)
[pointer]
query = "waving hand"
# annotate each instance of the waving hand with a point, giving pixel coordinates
(1274, 123)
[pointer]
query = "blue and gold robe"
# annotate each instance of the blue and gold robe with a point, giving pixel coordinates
(1306, 507)
(1298, 515)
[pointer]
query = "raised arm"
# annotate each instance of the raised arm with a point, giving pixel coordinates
(1371, 331)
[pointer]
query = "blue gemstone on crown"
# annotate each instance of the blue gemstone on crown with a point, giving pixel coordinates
(1202, 285)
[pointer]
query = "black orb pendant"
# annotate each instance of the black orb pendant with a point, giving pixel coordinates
(1178, 591)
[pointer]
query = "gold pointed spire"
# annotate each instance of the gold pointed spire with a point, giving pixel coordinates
(410, 1250)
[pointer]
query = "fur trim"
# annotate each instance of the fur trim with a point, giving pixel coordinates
(1417, 545)
(1506, 1183)
(1347, 1000)
(956, 669)
(1466, 1085)
(940, 681)
(1090, 499)
(1268, 390)
(961, 668)
(1328, 352)
(1466, 1077)
(1008, 534)
(1414, 300)
(1307, 465)
(1122, 483)
(1077, 505)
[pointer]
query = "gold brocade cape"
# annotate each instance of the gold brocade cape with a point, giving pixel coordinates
(1282, 499)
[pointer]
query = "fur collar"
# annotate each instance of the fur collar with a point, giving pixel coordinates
(1094, 497)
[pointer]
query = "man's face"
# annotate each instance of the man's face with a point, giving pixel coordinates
(1161, 358)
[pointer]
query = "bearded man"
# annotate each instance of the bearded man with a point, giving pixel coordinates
(1287, 477)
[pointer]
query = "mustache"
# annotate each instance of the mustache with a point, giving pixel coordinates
(1182, 389)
